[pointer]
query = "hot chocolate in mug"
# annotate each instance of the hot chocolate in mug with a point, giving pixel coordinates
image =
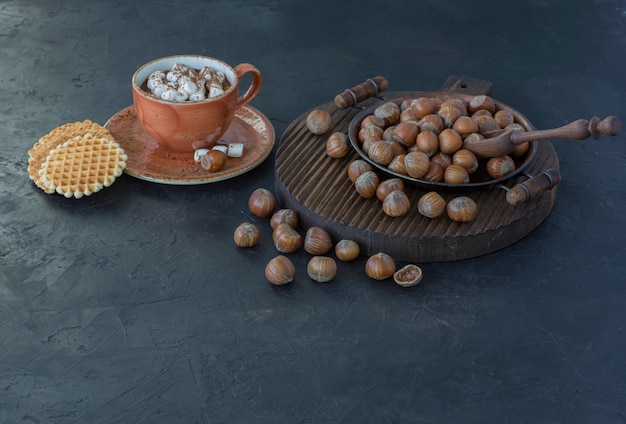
(181, 127)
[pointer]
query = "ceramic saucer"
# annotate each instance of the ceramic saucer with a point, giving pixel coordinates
(148, 161)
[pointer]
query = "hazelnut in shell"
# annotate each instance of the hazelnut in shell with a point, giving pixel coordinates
(280, 270)
(286, 239)
(435, 173)
(472, 138)
(366, 184)
(398, 149)
(321, 268)
(319, 121)
(214, 160)
(371, 132)
(427, 142)
(456, 174)
(467, 159)
(456, 102)
(450, 141)
(406, 115)
(485, 123)
(431, 205)
(387, 186)
(423, 106)
(465, 125)
(380, 266)
(405, 133)
(450, 112)
(432, 123)
(317, 241)
(406, 104)
(367, 143)
(262, 203)
(397, 164)
(357, 167)
(287, 216)
(499, 166)
(247, 235)
(520, 150)
(416, 164)
(442, 159)
(381, 152)
(504, 117)
(388, 112)
(481, 102)
(372, 120)
(347, 250)
(388, 133)
(337, 145)
(462, 209)
(396, 204)
(482, 112)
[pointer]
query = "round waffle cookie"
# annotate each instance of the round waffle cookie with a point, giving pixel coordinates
(82, 165)
(39, 152)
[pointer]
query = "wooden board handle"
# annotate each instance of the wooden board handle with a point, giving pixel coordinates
(353, 96)
(533, 187)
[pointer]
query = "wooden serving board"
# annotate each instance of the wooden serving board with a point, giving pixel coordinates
(318, 189)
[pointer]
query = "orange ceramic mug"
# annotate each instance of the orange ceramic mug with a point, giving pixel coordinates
(182, 127)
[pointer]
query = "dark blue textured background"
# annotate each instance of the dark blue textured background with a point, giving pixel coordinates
(134, 305)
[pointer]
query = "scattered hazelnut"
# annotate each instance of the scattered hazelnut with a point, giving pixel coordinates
(317, 241)
(262, 203)
(319, 121)
(321, 269)
(380, 266)
(337, 145)
(280, 270)
(247, 235)
(286, 216)
(347, 250)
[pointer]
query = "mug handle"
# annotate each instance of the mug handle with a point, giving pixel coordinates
(255, 85)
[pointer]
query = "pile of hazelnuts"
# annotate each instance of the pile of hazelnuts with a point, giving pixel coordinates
(420, 138)
(287, 238)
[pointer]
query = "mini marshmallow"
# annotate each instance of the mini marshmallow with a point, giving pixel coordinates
(155, 79)
(183, 79)
(220, 76)
(159, 89)
(197, 155)
(181, 95)
(179, 68)
(172, 76)
(197, 96)
(215, 90)
(235, 150)
(221, 148)
(169, 94)
(205, 72)
(157, 75)
(189, 87)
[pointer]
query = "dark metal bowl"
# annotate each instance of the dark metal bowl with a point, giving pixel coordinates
(479, 179)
